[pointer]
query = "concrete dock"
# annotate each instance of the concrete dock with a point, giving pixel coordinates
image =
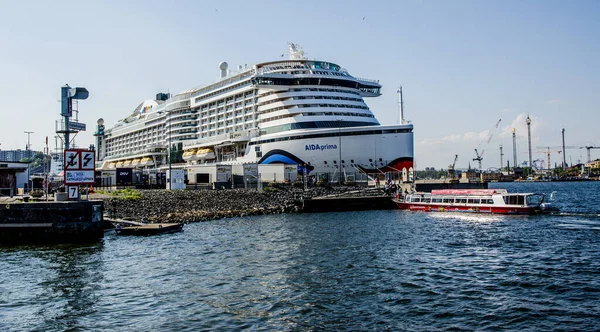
(331, 204)
(51, 222)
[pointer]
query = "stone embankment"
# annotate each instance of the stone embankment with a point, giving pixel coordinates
(201, 205)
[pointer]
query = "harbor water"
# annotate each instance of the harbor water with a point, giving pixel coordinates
(369, 270)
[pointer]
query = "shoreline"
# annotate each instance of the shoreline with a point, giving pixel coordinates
(186, 206)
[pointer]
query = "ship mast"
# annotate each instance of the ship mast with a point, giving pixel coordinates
(400, 106)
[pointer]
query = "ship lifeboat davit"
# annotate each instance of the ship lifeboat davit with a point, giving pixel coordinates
(190, 155)
(205, 154)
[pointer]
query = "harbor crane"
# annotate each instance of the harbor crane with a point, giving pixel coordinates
(479, 157)
(558, 149)
(452, 171)
(487, 139)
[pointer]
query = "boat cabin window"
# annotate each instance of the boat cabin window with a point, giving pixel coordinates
(461, 200)
(473, 200)
(514, 199)
(427, 199)
(534, 199)
(487, 201)
(448, 200)
(416, 199)
(436, 199)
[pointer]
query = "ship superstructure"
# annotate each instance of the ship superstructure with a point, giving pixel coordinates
(294, 111)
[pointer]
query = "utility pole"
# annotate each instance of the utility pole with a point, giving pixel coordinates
(28, 136)
(28, 156)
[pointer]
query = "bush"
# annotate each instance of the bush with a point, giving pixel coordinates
(127, 194)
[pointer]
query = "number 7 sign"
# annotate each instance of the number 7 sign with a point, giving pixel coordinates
(73, 192)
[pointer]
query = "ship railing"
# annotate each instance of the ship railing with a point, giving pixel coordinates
(367, 80)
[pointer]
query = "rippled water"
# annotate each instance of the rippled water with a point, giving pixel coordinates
(371, 270)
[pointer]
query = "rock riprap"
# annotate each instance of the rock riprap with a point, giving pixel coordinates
(202, 205)
(199, 205)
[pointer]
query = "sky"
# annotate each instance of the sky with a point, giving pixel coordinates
(463, 65)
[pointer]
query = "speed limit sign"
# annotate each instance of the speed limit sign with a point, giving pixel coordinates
(73, 192)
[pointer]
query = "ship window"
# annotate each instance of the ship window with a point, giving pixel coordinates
(427, 199)
(448, 200)
(416, 199)
(436, 200)
(473, 201)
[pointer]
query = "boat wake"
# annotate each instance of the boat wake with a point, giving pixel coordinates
(468, 217)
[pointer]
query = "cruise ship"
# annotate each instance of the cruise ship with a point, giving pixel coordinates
(292, 111)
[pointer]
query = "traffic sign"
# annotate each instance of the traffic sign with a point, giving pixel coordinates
(79, 166)
(88, 160)
(71, 159)
(73, 192)
(78, 126)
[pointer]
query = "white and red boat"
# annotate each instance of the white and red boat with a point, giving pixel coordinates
(497, 201)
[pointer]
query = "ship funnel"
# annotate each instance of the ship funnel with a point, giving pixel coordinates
(223, 67)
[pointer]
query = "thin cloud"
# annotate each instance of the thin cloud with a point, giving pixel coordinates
(519, 123)
(429, 141)
(553, 101)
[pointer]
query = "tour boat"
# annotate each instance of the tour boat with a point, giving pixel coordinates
(497, 201)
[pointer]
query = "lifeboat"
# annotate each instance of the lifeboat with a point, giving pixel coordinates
(205, 154)
(146, 161)
(190, 155)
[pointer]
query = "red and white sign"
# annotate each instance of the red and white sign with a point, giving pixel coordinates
(79, 166)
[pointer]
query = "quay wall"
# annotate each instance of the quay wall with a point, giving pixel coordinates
(51, 222)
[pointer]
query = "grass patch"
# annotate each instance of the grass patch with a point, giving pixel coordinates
(126, 194)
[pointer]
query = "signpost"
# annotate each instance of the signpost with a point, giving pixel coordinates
(77, 126)
(80, 167)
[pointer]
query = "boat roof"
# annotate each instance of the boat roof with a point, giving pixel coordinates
(478, 192)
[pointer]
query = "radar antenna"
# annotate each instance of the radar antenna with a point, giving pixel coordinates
(296, 51)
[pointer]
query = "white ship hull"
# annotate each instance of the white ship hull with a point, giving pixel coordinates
(346, 150)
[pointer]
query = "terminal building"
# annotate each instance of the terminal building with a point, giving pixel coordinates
(16, 155)
(13, 176)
